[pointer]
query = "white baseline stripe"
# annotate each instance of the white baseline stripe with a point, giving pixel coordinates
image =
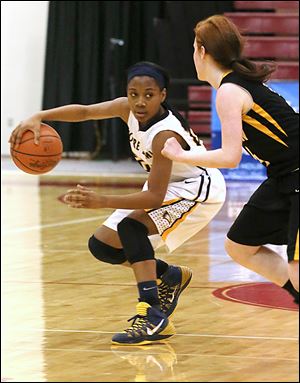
(38, 227)
(76, 221)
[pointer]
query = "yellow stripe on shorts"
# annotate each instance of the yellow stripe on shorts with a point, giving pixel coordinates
(180, 220)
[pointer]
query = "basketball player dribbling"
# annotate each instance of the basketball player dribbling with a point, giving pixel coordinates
(176, 202)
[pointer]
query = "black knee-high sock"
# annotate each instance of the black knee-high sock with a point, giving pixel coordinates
(137, 248)
(290, 288)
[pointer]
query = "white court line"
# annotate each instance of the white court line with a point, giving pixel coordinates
(38, 227)
(151, 352)
(76, 221)
(194, 335)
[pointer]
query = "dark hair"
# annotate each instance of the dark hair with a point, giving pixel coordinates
(162, 78)
(222, 40)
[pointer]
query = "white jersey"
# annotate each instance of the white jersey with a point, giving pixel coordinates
(194, 195)
(141, 144)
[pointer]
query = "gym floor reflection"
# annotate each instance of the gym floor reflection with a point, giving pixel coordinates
(60, 307)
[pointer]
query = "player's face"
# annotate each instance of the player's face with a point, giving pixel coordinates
(145, 98)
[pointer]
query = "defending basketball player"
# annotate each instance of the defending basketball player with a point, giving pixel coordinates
(176, 202)
(256, 118)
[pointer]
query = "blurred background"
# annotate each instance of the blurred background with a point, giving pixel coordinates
(61, 52)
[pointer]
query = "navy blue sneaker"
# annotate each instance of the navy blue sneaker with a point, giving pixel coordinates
(149, 325)
(170, 285)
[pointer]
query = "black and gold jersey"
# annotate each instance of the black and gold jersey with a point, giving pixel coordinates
(270, 128)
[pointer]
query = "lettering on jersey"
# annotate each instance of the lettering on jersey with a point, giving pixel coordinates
(134, 142)
(143, 164)
(148, 155)
(136, 146)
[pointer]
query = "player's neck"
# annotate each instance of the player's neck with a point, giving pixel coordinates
(162, 112)
(216, 75)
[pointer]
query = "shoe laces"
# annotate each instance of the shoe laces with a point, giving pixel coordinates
(140, 321)
(165, 292)
(137, 326)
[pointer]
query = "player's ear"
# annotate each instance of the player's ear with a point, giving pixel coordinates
(202, 51)
(163, 94)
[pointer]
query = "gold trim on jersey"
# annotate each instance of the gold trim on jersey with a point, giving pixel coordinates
(262, 128)
(296, 256)
(225, 74)
(259, 110)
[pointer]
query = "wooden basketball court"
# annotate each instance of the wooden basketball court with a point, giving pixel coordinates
(60, 307)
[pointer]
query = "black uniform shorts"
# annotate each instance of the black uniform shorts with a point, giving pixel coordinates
(271, 216)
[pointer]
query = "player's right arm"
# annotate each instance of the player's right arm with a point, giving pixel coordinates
(231, 102)
(71, 113)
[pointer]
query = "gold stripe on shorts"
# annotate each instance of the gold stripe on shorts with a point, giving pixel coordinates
(168, 231)
(171, 214)
(296, 255)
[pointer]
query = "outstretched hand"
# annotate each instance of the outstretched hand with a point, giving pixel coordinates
(85, 198)
(172, 149)
(33, 124)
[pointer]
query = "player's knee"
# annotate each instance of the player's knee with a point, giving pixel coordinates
(135, 241)
(293, 270)
(240, 253)
(232, 249)
(106, 253)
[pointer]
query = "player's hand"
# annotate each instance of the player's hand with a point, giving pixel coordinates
(33, 124)
(172, 149)
(84, 198)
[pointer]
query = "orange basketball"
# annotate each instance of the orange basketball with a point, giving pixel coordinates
(38, 159)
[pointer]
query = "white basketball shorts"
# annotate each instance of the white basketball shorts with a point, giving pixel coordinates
(189, 205)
